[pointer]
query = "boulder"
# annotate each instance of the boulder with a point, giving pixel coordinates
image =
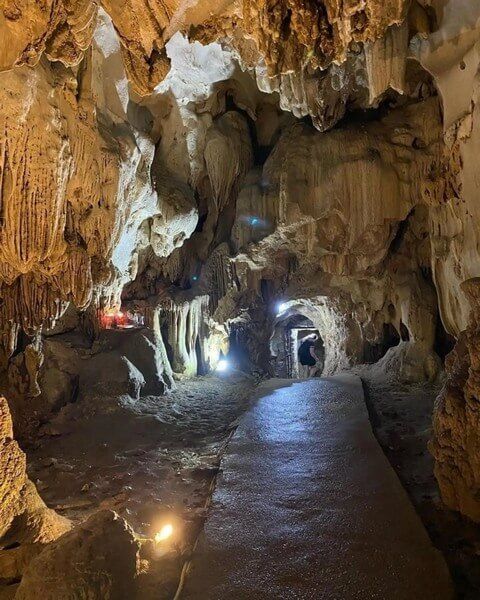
(98, 560)
(26, 523)
(111, 374)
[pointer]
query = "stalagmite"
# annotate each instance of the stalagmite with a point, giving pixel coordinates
(184, 182)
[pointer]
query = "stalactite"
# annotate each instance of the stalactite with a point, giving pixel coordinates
(386, 62)
(186, 324)
(69, 191)
(290, 34)
(218, 275)
(228, 156)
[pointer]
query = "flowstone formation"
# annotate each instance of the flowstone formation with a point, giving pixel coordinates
(26, 524)
(172, 173)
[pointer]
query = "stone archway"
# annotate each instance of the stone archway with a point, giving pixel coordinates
(287, 336)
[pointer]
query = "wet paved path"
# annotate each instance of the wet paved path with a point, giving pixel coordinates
(308, 507)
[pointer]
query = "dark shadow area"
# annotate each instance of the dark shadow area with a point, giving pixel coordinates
(168, 348)
(374, 352)
(201, 365)
(444, 342)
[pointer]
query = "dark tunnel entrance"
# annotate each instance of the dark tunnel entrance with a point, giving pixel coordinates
(288, 336)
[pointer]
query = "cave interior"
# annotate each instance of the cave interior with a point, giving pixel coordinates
(188, 191)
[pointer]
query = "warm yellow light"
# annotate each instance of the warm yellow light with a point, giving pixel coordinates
(164, 533)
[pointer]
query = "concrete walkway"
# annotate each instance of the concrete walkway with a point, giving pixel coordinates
(308, 507)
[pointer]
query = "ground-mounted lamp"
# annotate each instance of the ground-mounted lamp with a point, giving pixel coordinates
(165, 540)
(164, 534)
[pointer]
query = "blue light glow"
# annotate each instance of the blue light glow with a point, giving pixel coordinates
(222, 365)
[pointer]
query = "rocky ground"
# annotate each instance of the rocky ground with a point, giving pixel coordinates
(155, 459)
(150, 460)
(401, 416)
(138, 457)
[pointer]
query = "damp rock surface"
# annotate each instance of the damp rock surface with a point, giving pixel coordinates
(401, 416)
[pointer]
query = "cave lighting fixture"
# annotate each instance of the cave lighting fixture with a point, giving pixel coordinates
(222, 365)
(282, 307)
(164, 534)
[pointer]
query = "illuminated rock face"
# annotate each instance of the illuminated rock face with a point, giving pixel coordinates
(177, 178)
(65, 188)
(452, 55)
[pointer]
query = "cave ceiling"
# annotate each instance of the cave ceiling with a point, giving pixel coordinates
(138, 138)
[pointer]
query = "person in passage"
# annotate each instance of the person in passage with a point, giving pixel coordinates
(306, 354)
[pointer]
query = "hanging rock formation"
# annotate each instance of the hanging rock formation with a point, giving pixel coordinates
(193, 165)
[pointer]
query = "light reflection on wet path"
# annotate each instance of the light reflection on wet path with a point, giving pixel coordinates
(307, 506)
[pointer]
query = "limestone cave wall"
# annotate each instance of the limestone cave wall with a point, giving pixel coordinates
(198, 164)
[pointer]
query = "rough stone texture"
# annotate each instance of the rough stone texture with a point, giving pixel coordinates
(62, 29)
(19, 499)
(26, 524)
(76, 206)
(455, 444)
(135, 162)
(98, 559)
(290, 34)
(452, 55)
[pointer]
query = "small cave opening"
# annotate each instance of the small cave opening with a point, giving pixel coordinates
(373, 352)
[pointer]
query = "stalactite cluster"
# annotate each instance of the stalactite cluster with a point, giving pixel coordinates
(200, 163)
(291, 34)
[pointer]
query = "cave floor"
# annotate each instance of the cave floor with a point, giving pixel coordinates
(401, 415)
(308, 506)
(142, 458)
